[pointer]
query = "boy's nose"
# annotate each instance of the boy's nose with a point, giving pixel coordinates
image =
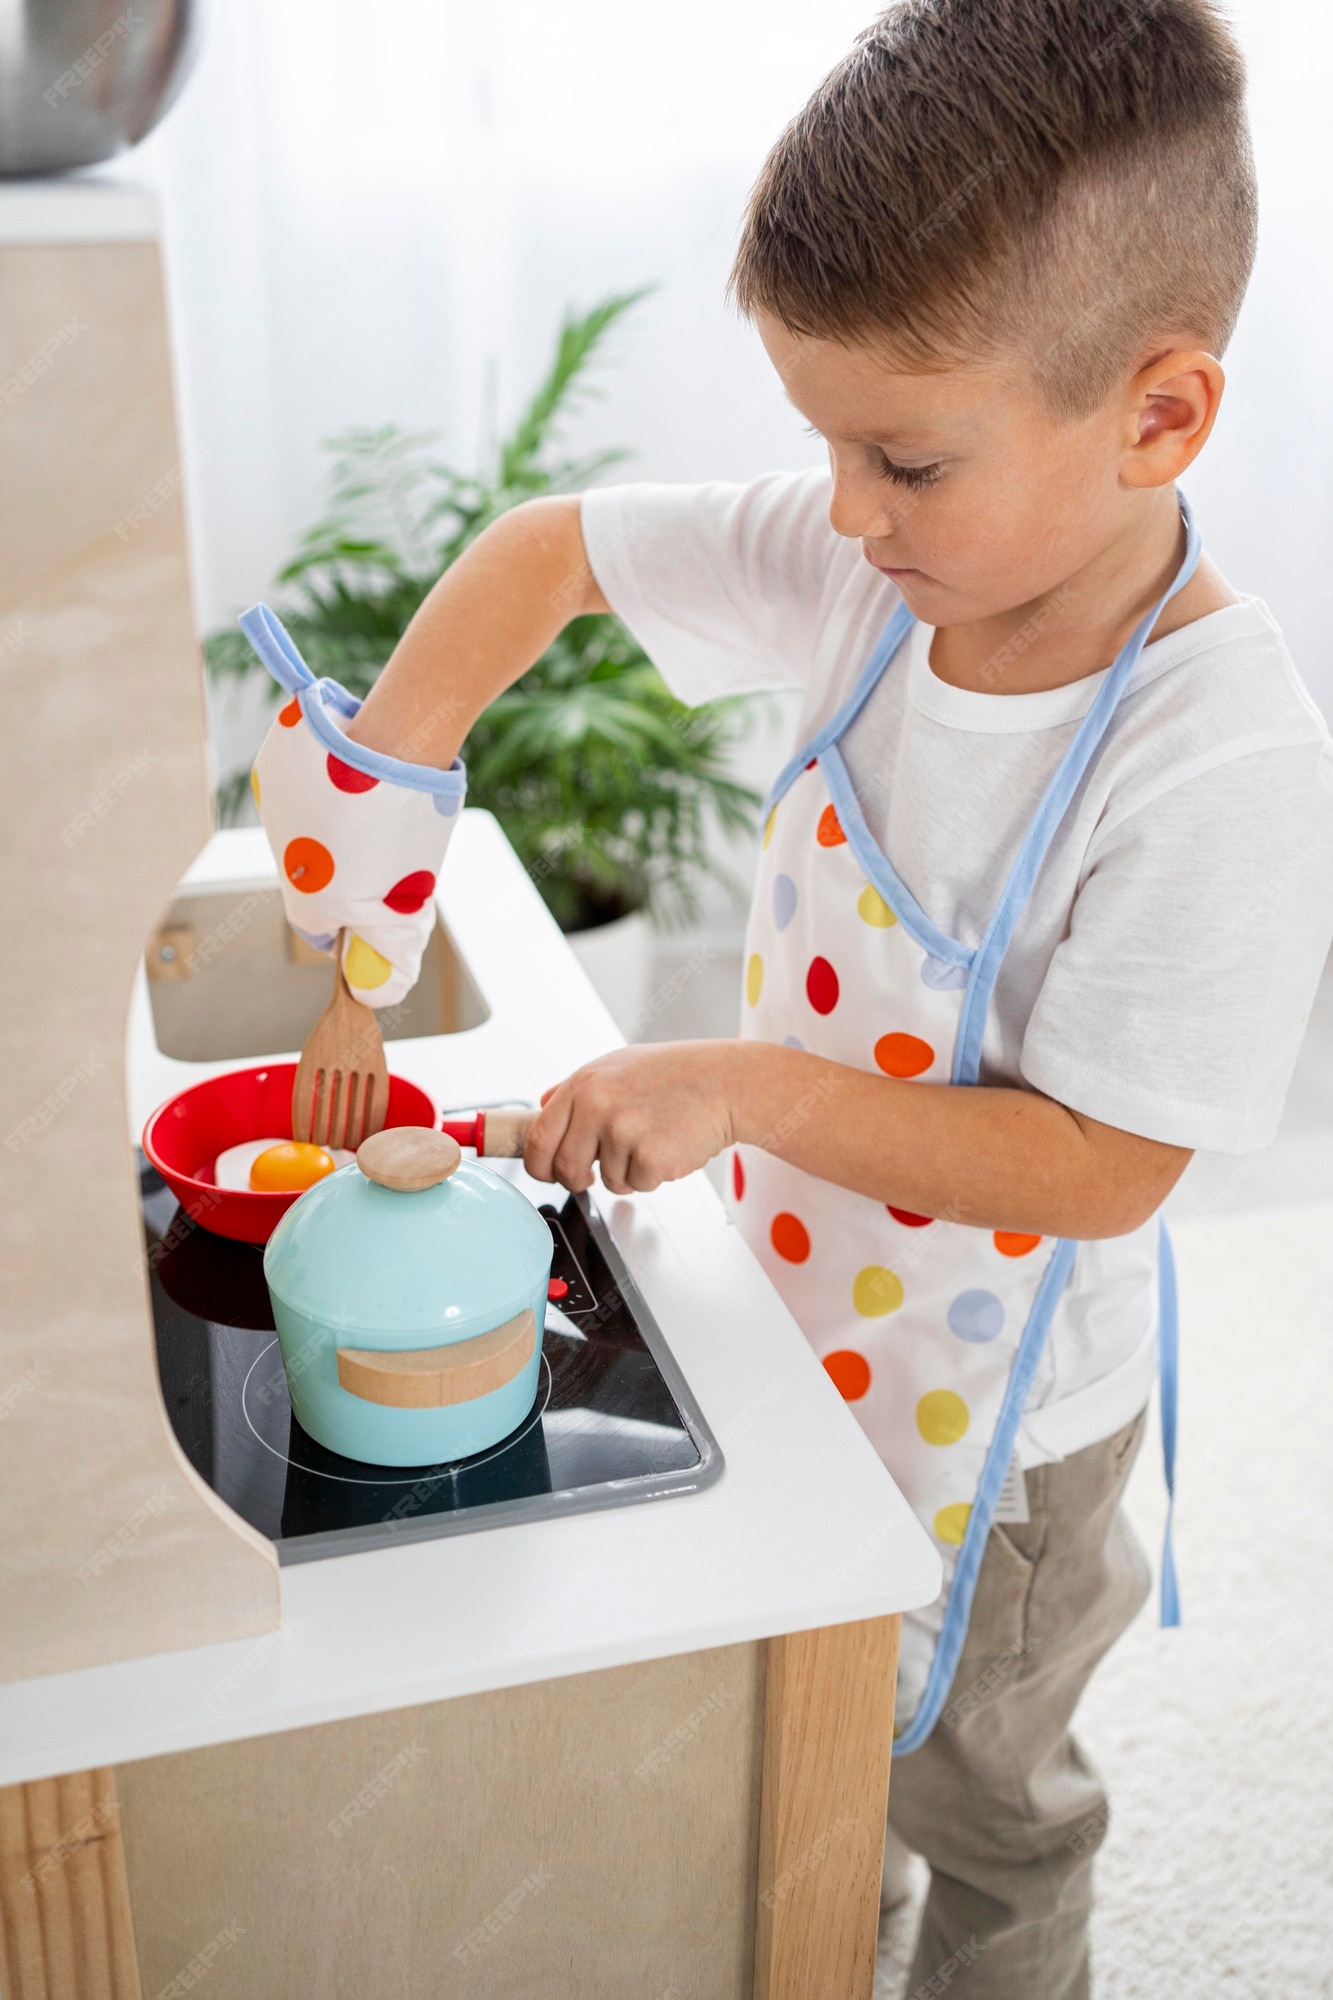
(859, 511)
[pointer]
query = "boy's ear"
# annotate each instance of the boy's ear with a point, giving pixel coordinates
(1171, 406)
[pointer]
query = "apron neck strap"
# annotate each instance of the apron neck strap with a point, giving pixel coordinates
(1051, 811)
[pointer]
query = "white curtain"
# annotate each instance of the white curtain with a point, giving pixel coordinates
(380, 214)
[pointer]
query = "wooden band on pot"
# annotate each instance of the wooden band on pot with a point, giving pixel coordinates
(428, 1378)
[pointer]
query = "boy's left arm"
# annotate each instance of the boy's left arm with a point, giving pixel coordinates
(998, 1158)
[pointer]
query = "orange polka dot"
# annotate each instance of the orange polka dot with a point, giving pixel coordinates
(829, 832)
(291, 715)
(1010, 1243)
(903, 1055)
(790, 1238)
(308, 865)
(849, 1373)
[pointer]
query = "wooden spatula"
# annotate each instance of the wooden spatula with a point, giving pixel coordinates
(341, 1092)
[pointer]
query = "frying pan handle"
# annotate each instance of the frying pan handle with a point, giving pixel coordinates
(496, 1135)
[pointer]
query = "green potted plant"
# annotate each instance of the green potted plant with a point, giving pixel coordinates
(606, 785)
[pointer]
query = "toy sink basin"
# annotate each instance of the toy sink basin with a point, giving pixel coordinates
(410, 1317)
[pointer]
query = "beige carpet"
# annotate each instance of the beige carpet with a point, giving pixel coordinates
(1216, 1741)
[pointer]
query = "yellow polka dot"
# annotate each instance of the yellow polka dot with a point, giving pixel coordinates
(754, 979)
(942, 1417)
(871, 908)
(876, 1291)
(768, 826)
(254, 783)
(365, 967)
(951, 1522)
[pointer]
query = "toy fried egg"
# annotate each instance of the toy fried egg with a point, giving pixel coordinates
(277, 1166)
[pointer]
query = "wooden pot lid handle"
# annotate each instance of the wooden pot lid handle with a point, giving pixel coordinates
(408, 1157)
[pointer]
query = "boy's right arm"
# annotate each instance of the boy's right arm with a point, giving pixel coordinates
(490, 616)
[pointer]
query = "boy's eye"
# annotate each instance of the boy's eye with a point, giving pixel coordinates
(914, 477)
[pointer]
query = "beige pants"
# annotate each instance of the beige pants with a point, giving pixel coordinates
(999, 1798)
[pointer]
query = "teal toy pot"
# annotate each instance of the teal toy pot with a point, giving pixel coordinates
(409, 1294)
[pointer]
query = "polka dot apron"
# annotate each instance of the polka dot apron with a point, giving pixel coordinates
(931, 1328)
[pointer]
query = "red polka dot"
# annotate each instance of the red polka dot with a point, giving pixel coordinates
(291, 715)
(737, 1176)
(811, 765)
(829, 832)
(821, 986)
(790, 1238)
(308, 865)
(1012, 1243)
(347, 779)
(907, 1219)
(903, 1055)
(407, 897)
(849, 1372)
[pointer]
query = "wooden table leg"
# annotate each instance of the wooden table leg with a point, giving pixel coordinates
(828, 1739)
(65, 1926)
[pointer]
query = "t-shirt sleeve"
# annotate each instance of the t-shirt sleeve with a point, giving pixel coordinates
(726, 587)
(1175, 1005)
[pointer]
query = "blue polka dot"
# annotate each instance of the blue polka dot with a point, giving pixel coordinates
(793, 1042)
(784, 900)
(976, 1316)
(319, 941)
(942, 978)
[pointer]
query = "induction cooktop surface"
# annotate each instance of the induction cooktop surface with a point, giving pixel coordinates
(613, 1421)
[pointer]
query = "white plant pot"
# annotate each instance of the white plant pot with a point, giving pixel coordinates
(617, 958)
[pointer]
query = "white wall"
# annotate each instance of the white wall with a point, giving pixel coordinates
(380, 215)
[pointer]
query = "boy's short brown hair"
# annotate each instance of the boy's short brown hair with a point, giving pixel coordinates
(1072, 178)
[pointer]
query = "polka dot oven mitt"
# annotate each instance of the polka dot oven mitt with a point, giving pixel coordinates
(358, 837)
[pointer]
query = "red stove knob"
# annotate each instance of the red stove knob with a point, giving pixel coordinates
(557, 1289)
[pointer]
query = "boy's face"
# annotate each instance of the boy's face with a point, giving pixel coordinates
(961, 486)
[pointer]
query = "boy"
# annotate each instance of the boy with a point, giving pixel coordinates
(1044, 896)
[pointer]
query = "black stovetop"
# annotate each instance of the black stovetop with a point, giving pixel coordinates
(613, 1421)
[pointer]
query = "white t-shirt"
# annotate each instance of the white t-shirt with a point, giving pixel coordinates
(1162, 974)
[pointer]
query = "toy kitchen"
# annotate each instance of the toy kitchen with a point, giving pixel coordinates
(594, 1707)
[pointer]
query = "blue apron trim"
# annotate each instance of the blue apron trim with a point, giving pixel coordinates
(953, 1631)
(880, 869)
(1046, 821)
(1168, 1362)
(897, 629)
(275, 647)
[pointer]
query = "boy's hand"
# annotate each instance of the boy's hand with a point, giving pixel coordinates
(647, 1114)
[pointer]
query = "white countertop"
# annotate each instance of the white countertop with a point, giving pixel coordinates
(804, 1528)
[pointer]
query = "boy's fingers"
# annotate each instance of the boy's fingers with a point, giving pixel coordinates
(576, 1151)
(548, 1130)
(614, 1165)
